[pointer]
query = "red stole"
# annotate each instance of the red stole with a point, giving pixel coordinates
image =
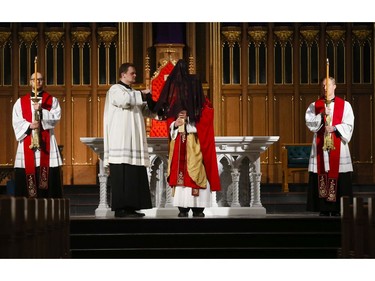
(44, 147)
(328, 181)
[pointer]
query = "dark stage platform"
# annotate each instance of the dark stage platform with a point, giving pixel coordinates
(284, 231)
(271, 236)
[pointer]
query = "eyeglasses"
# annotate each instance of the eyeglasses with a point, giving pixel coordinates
(38, 79)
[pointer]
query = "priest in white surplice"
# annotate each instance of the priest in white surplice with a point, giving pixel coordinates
(330, 170)
(37, 169)
(125, 144)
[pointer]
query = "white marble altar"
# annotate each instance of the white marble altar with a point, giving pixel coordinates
(239, 169)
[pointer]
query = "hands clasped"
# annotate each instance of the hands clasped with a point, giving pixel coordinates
(34, 125)
(330, 129)
(179, 121)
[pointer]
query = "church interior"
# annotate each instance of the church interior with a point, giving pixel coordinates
(260, 78)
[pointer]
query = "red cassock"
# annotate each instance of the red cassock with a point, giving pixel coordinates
(206, 137)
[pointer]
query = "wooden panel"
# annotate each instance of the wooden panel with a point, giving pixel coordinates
(283, 121)
(363, 173)
(231, 115)
(362, 139)
(7, 137)
(81, 127)
(258, 122)
(286, 107)
(85, 174)
(100, 109)
(258, 115)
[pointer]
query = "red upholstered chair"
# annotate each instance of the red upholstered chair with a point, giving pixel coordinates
(159, 128)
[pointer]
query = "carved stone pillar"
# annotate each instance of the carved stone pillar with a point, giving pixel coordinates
(255, 178)
(103, 209)
(168, 194)
(213, 199)
(235, 184)
(168, 203)
(149, 176)
(159, 194)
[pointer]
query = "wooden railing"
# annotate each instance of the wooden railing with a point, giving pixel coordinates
(34, 228)
(357, 228)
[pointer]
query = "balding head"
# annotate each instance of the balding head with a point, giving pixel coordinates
(39, 81)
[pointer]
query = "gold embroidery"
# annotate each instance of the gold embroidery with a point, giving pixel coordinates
(183, 137)
(322, 186)
(195, 165)
(332, 191)
(180, 179)
(31, 188)
(327, 188)
(43, 184)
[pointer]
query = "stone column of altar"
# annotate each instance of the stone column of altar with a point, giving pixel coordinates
(103, 209)
(213, 199)
(235, 184)
(255, 177)
(168, 192)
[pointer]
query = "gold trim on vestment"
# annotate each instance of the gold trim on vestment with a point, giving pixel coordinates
(194, 157)
(195, 161)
